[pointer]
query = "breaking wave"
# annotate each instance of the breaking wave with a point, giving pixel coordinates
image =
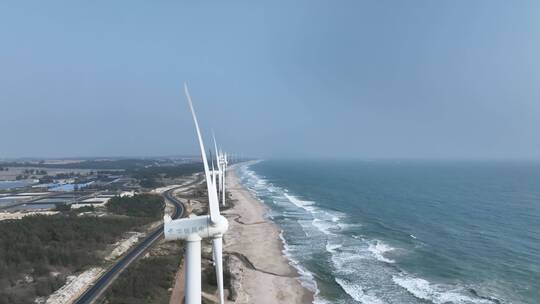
(357, 293)
(378, 249)
(438, 294)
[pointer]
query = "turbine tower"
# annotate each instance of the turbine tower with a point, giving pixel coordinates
(193, 229)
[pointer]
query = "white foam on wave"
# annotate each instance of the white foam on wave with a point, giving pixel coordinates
(434, 293)
(306, 277)
(357, 293)
(322, 225)
(347, 226)
(378, 249)
(332, 248)
(323, 220)
(321, 301)
(344, 260)
(300, 203)
(272, 189)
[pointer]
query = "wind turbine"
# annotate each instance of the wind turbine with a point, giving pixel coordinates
(222, 168)
(195, 228)
(224, 163)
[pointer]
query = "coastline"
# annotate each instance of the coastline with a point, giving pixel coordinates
(256, 251)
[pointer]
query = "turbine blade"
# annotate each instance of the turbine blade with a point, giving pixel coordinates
(214, 177)
(218, 155)
(213, 203)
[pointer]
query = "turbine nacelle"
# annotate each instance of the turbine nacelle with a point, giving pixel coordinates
(196, 227)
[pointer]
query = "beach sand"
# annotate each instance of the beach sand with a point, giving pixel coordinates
(263, 274)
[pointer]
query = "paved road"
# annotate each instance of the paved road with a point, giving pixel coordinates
(101, 285)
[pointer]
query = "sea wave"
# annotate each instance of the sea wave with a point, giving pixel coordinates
(306, 277)
(348, 226)
(357, 292)
(437, 294)
(299, 202)
(378, 249)
(323, 226)
(332, 248)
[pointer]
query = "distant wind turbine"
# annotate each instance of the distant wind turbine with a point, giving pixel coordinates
(222, 168)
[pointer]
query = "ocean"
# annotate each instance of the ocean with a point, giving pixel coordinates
(407, 231)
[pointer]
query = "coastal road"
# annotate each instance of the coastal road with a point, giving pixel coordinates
(101, 285)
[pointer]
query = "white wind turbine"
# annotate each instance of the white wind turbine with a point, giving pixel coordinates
(222, 168)
(224, 164)
(193, 229)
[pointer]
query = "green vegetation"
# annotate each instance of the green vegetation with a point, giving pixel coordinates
(149, 177)
(34, 172)
(62, 207)
(100, 164)
(149, 182)
(29, 173)
(38, 246)
(165, 171)
(148, 281)
(142, 205)
(46, 179)
(90, 208)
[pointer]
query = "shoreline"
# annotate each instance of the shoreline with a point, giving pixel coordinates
(263, 273)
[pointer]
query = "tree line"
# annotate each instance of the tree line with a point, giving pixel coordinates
(141, 205)
(39, 246)
(148, 281)
(149, 177)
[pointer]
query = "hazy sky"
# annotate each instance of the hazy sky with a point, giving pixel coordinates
(362, 79)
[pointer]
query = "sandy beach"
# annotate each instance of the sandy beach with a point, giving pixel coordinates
(262, 273)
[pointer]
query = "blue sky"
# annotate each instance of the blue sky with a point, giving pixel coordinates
(333, 79)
